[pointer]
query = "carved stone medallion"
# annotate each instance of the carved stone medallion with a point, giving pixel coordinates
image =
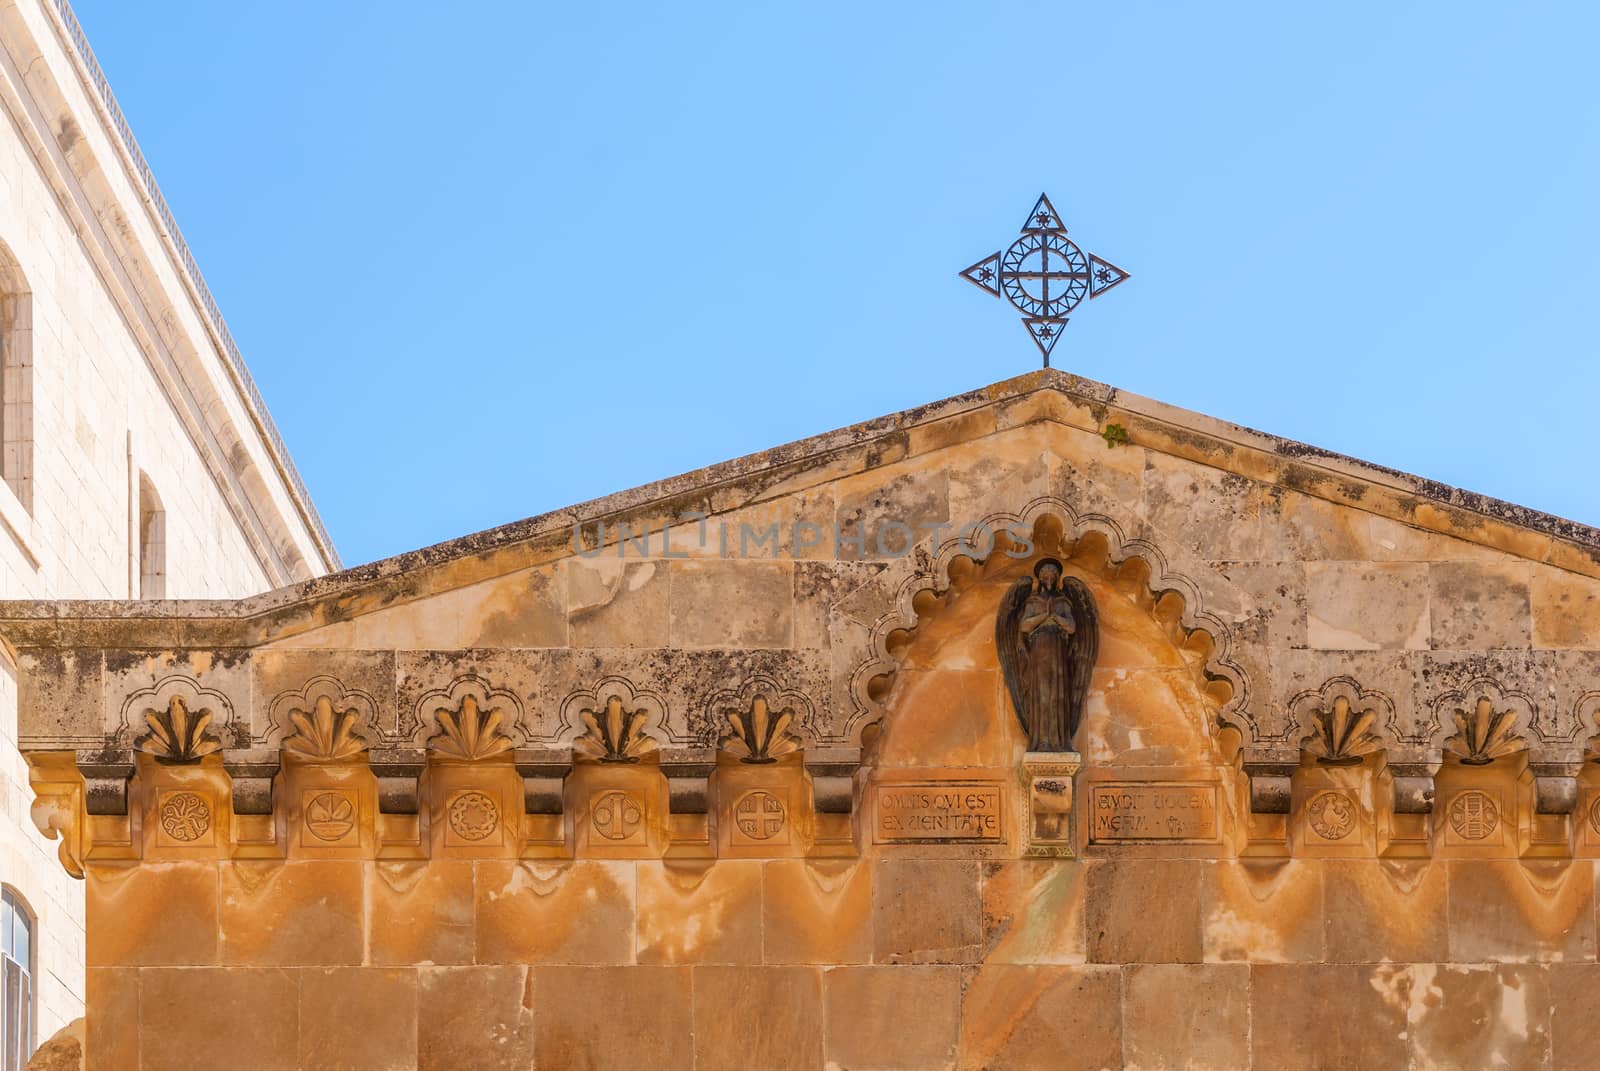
(1594, 815)
(185, 816)
(473, 816)
(1473, 815)
(1332, 815)
(617, 815)
(329, 816)
(759, 815)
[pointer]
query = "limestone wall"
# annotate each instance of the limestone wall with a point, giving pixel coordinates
(489, 804)
(98, 315)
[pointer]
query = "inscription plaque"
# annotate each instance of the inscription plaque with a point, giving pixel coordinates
(919, 811)
(1124, 811)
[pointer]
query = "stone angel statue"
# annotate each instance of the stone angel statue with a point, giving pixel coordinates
(1048, 636)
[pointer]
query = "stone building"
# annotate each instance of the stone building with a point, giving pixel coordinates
(137, 459)
(728, 771)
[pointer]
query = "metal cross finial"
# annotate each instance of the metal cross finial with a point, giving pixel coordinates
(1044, 275)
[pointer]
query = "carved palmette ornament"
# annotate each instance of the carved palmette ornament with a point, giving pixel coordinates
(1484, 734)
(615, 734)
(324, 734)
(470, 732)
(1342, 736)
(760, 736)
(177, 734)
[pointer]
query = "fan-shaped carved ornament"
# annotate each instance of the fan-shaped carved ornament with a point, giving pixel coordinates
(178, 735)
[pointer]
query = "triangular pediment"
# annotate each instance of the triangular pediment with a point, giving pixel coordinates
(1273, 575)
(1057, 412)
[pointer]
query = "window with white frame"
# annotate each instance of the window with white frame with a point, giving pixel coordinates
(16, 963)
(16, 380)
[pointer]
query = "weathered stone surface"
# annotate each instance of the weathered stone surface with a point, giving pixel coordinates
(1380, 909)
(1329, 1017)
(1512, 912)
(111, 1038)
(1574, 1015)
(1566, 610)
(1483, 1016)
(600, 1017)
(1033, 912)
(697, 912)
(758, 1017)
(1180, 1017)
(1145, 911)
(1479, 606)
(1202, 507)
(475, 1017)
(1016, 1017)
(925, 911)
(617, 603)
(420, 913)
(1263, 911)
(893, 1018)
(1366, 606)
(358, 1019)
(212, 1016)
(291, 914)
(816, 911)
(964, 723)
(153, 915)
(577, 912)
(731, 604)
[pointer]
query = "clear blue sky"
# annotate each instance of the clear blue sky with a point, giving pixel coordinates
(494, 261)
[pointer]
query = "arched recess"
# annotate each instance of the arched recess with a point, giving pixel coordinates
(16, 379)
(152, 542)
(1193, 602)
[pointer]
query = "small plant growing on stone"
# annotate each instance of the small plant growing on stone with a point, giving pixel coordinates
(1115, 435)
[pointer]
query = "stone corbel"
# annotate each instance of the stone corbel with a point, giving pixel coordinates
(106, 774)
(397, 771)
(1555, 786)
(543, 771)
(252, 771)
(1413, 784)
(57, 810)
(833, 773)
(688, 773)
(1271, 772)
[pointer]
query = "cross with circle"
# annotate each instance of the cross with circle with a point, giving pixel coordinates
(1044, 275)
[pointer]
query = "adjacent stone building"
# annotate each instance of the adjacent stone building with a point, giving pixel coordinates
(137, 460)
(726, 772)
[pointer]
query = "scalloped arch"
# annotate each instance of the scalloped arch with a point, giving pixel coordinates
(1192, 608)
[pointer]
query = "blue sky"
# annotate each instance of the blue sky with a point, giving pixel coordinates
(494, 262)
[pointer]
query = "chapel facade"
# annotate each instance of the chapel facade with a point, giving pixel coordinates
(734, 770)
(136, 459)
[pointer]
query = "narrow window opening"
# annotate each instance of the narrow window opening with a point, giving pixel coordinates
(152, 542)
(16, 380)
(16, 985)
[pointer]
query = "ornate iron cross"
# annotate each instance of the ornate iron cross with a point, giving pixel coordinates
(1044, 275)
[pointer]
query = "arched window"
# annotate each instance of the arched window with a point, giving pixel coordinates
(152, 542)
(16, 380)
(16, 964)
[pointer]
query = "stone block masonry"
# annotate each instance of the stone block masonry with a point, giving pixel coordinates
(513, 803)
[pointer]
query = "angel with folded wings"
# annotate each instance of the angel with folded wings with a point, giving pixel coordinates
(1048, 636)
